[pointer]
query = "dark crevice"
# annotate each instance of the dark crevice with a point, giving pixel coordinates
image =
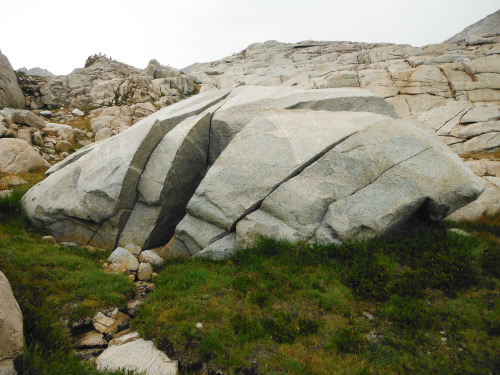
(94, 234)
(370, 183)
(462, 112)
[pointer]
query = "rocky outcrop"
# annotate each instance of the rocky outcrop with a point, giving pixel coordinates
(11, 328)
(489, 25)
(10, 92)
(106, 83)
(132, 190)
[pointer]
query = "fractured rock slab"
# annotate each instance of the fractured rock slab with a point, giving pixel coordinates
(271, 149)
(89, 198)
(138, 355)
(246, 102)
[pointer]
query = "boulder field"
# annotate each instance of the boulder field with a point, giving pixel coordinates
(211, 173)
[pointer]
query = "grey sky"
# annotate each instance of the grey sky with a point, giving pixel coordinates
(59, 35)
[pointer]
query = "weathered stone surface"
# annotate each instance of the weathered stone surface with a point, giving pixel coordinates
(18, 156)
(11, 327)
(77, 112)
(25, 135)
(123, 339)
(145, 272)
(369, 184)
(88, 197)
(165, 188)
(10, 92)
(63, 146)
(487, 204)
(92, 339)
(110, 324)
(334, 199)
(480, 143)
(138, 355)
(246, 102)
(106, 83)
(271, 149)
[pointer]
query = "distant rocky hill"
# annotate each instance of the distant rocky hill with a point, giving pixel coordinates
(35, 72)
(106, 83)
(488, 26)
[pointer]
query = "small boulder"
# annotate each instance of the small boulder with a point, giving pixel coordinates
(47, 114)
(148, 256)
(134, 249)
(110, 324)
(145, 272)
(123, 256)
(28, 118)
(3, 129)
(25, 135)
(64, 146)
(77, 112)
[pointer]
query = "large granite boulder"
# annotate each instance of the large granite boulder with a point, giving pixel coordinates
(156, 179)
(10, 92)
(11, 328)
(89, 197)
(355, 176)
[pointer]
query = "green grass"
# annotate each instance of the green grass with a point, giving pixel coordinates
(299, 309)
(53, 285)
(277, 308)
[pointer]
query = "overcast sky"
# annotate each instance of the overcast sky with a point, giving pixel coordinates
(59, 35)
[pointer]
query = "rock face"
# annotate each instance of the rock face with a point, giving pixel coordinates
(10, 92)
(488, 25)
(134, 189)
(11, 328)
(17, 156)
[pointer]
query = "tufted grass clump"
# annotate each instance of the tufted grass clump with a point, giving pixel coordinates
(420, 302)
(424, 301)
(53, 285)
